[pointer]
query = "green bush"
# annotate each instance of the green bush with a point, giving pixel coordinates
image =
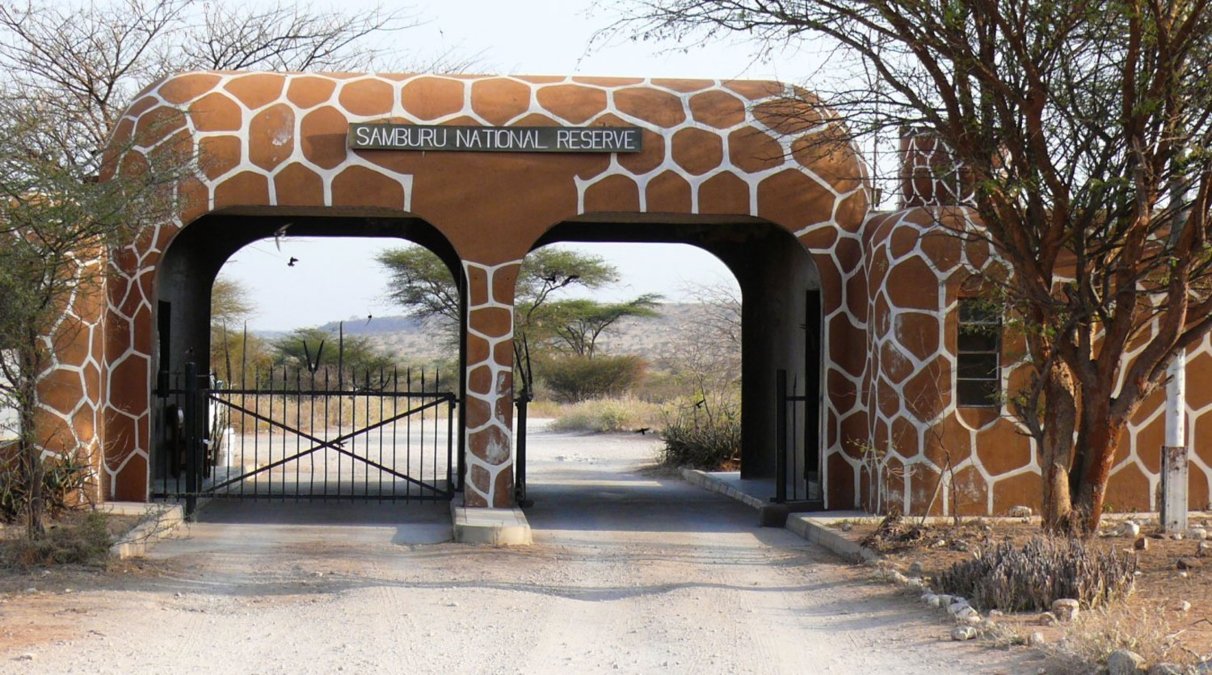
(571, 379)
(1043, 570)
(702, 437)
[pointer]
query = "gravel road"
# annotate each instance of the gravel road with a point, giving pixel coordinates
(632, 571)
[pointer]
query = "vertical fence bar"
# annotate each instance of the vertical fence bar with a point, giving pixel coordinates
(192, 441)
(311, 426)
(519, 431)
(395, 446)
(408, 436)
(324, 421)
(366, 440)
(421, 472)
(286, 418)
(780, 432)
(795, 451)
(450, 413)
(382, 402)
(256, 478)
(298, 424)
(434, 412)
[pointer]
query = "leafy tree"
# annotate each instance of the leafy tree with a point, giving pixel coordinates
(229, 302)
(1079, 134)
(422, 284)
(56, 221)
(317, 350)
(235, 354)
(576, 324)
(67, 71)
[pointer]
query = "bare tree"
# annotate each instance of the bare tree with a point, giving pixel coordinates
(285, 37)
(1079, 135)
(66, 74)
(80, 65)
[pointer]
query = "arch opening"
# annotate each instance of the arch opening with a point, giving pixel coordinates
(329, 401)
(781, 330)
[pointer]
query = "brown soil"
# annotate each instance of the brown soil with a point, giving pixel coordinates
(1160, 586)
(33, 610)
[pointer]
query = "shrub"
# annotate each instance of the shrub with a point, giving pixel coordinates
(80, 540)
(702, 439)
(571, 379)
(606, 415)
(64, 481)
(1043, 570)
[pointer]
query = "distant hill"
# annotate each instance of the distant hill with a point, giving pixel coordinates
(379, 325)
(416, 340)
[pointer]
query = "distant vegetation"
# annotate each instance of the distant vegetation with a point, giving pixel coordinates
(672, 369)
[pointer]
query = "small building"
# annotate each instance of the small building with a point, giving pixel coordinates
(869, 314)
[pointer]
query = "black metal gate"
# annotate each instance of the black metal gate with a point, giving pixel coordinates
(305, 435)
(797, 444)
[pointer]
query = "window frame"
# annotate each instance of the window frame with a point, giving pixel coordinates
(976, 318)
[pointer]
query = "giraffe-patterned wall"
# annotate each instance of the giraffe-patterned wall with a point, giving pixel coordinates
(917, 272)
(274, 143)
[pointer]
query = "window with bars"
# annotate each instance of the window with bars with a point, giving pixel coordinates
(978, 354)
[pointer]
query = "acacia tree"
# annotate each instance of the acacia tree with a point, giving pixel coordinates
(421, 283)
(55, 224)
(576, 324)
(1081, 133)
(67, 71)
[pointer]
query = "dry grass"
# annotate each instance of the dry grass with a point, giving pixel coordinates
(1148, 631)
(314, 414)
(80, 538)
(1149, 622)
(607, 415)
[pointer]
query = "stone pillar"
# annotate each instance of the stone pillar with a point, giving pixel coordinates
(489, 387)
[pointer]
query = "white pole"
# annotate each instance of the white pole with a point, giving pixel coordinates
(1174, 454)
(1176, 395)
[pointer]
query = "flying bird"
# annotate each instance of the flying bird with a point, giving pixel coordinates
(279, 233)
(368, 318)
(292, 261)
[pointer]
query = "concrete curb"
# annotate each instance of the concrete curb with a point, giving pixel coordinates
(495, 527)
(159, 521)
(708, 482)
(813, 529)
(821, 534)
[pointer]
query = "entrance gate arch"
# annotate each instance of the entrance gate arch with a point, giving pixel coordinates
(276, 146)
(307, 431)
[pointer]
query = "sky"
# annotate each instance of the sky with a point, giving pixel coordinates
(333, 279)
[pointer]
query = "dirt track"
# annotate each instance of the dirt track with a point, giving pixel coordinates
(630, 572)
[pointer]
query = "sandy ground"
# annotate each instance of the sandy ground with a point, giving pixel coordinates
(631, 571)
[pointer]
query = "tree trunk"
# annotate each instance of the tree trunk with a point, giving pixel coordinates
(31, 459)
(1097, 438)
(1056, 454)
